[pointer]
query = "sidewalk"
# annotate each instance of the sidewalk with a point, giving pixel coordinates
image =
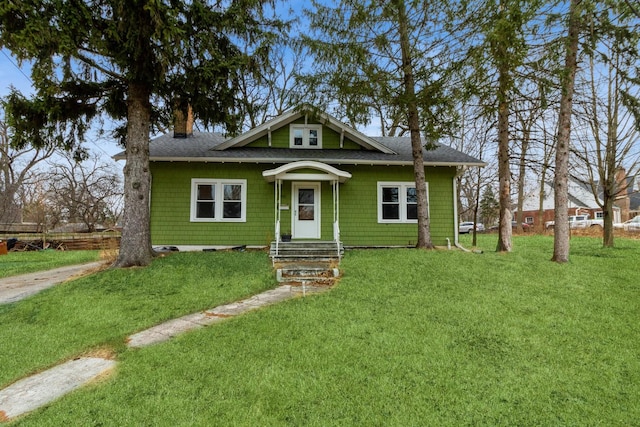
(15, 288)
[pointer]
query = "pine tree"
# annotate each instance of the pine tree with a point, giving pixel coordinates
(135, 61)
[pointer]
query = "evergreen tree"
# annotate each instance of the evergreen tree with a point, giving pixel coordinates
(136, 61)
(489, 207)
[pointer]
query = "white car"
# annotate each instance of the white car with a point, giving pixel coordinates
(467, 227)
(631, 225)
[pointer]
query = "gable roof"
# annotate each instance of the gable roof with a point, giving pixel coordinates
(293, 115)
(579, 194)
(214, 147)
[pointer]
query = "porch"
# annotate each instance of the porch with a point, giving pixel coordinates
(305, 206)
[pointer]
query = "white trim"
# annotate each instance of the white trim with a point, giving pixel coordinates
(402, 201)
(455, 210)
(293, 115)
(218, 199)
(275, 160)
(284, 172)
(317, 208)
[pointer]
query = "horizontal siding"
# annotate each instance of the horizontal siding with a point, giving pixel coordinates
(359, 215)
(170, 206)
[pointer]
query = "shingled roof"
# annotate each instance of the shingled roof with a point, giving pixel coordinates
(203, 147)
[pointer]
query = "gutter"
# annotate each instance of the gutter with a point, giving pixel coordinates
(289, 160)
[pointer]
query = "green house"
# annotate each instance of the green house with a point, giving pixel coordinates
(301, 174)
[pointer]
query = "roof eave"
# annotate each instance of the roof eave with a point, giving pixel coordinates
(323, 160)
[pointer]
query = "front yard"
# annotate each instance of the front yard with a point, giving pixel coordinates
(406, 338)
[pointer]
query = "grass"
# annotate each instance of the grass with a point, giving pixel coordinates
(406, 338)
(100, 310)
(15, 263)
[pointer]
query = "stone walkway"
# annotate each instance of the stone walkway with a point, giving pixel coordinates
(38, 390)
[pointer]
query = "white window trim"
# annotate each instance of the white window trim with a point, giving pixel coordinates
(219, 185)
(402, 200)
(305, 136)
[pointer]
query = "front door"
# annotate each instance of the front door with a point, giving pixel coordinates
(306, 210)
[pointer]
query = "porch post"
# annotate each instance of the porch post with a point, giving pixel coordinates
(277, 202)
(336, 209)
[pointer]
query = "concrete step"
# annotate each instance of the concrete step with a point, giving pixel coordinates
(307, 272)
(306, 250)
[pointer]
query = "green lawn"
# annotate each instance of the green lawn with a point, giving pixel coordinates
(406, 338)
(15, 263)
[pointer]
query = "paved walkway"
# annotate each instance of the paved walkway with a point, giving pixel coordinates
(38, 390)
(15, 288)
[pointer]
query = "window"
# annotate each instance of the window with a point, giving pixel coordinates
(398, 202)
(305, 136)
(218, 200)
(599, 215)
(529, 220)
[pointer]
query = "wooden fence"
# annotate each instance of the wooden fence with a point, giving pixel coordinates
(65, 241)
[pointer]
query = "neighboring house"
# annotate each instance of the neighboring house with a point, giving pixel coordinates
(308, 175)
(630, 202)
(581, 202)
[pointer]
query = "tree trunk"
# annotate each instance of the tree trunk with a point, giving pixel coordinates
(476, 208)
(541, 196)
(561, 179)
(607, 232)
(424, 234)
(522, 173)
(135, 244)
(504, 172)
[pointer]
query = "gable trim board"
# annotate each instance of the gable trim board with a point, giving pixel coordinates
(347, 174)
(290, 117)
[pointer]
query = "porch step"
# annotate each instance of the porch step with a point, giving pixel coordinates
(307, 273)
(306, 251)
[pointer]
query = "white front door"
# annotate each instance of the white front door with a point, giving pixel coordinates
(306, 210)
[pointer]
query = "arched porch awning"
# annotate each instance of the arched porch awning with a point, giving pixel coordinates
(288, 172)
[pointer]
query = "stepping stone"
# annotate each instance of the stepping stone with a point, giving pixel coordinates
(40, 389)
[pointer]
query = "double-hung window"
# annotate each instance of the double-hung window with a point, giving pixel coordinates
(305, 136)
(398, 202)
(218, 200)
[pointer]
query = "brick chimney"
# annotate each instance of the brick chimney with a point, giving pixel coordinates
(622, 197)
(183, 123)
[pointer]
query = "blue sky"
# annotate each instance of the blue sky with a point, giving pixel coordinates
(11, 74)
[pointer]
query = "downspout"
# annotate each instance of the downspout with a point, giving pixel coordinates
(459, 172)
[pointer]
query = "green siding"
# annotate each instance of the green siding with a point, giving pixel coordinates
(170, 206)
(359, 212)
(171, 192)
